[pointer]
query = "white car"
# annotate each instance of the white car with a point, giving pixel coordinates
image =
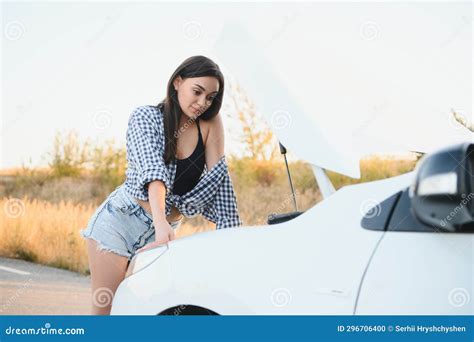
(402, 245)
(398, 246)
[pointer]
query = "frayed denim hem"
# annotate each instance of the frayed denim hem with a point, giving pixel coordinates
(102, 247)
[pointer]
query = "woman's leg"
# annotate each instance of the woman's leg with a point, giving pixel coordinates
(107, 271)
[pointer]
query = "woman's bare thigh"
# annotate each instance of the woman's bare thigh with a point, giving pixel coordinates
(107, 272)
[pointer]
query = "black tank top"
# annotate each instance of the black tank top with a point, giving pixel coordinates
(189, 170)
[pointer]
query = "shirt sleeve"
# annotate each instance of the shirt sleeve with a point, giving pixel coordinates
(145, 147)
(223, 210)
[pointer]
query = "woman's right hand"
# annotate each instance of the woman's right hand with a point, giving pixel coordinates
(163, 233)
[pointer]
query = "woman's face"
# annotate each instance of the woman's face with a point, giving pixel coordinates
(196, 94)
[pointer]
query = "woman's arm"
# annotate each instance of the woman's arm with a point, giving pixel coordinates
(156, 195)
(163, 231)
(215, 141)
(144, 152)
(223, 211)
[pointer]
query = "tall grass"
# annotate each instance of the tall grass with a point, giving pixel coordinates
(44, 232)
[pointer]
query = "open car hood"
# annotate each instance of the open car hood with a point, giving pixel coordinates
(332, 106)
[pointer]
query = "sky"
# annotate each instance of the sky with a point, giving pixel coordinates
(85, 66)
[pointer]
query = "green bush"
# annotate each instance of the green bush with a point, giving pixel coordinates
(108, 164)
(68, 156)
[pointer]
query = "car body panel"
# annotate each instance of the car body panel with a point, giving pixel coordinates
(431, 275)
(312, 264)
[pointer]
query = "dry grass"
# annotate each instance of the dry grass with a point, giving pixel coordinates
(373, 168)
(44, 232)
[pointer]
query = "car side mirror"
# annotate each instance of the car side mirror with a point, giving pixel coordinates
(442, 193)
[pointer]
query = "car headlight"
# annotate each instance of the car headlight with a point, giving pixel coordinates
(145, 258)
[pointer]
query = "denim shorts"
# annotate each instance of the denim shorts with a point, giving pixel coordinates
(121, 225)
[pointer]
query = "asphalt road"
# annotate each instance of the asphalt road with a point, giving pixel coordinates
(31, 289)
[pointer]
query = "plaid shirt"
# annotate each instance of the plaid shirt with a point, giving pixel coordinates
(213, 196)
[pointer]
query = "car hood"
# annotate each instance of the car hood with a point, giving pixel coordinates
(331, 106)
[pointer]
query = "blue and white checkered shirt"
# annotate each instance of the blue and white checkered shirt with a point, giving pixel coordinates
(213, 196)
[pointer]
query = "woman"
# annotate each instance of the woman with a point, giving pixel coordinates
(176, 167)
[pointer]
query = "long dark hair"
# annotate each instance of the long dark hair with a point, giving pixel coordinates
(196, 66)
